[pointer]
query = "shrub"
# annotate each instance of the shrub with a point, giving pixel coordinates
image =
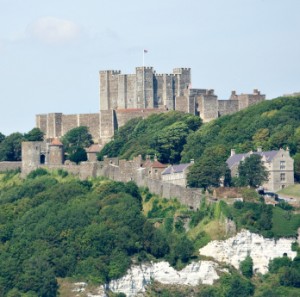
(246, 267)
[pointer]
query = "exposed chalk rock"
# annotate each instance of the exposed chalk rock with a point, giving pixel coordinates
(260, 249)
(138, 277)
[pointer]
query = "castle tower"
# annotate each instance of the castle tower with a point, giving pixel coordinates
(109, 89)
(208, 106)
(56, 153)
(182, 80)
(144, 87)
(33, 155)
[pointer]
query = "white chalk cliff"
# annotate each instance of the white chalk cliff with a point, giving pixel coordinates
(231, 251)
(260, 249)
(138, 277)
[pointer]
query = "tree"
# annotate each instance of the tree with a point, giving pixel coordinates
(10, 147)
(252, 172)
(75, 141)
(34, 135)
(2, 137)
(297, 166)
(169, 143)
(207, 173)
(246, 267)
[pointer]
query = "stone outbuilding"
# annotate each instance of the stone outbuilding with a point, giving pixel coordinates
(92, 152)
(177, 174)
(153, 168)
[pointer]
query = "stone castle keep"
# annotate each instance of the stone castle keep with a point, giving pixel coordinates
(127, 96)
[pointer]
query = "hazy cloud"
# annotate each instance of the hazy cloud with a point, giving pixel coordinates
(53, 30)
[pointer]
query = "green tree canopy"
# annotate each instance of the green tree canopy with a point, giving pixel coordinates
(10, 147)
(246, 267)
(252, 172)
(75, 141)
(34, 135)
(2, 137)
(208, 172)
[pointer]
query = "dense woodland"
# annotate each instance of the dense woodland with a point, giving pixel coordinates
(54, 225)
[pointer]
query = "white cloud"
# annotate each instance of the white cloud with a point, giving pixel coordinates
(53, 30)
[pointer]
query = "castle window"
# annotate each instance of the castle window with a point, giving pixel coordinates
(282, 176)
(282, 165)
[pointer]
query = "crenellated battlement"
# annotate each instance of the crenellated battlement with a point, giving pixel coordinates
(112, 72)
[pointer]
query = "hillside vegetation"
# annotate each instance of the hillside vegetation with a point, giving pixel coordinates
(53, 225)
(162, 134)
(271, 124)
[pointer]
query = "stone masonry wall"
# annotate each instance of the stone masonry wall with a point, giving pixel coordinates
(5, 166)
(227, 106)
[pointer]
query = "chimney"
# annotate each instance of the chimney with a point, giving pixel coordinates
(232, 153)
(259, 149)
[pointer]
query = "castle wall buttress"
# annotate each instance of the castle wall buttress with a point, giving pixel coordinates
(54, 124)
(104, 94)
(122, 91)
(208, 107)
(144, 87)
(131, 91)
(168, 91)
(107, 125)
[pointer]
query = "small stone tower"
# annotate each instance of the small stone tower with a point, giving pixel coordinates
(56, 152)
(33, 155)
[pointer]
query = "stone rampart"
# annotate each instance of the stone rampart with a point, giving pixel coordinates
(5, 166)
(227, 106)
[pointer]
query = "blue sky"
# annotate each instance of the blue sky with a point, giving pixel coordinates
(51, 51)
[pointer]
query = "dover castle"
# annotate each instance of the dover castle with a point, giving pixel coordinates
(127, 96)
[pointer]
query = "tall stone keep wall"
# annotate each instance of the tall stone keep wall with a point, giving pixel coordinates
(168, 91)
(41, 122)
(69, 122)
(131, 91)
(144, 87)
(92, 121)
(123, 116)
(107, 125)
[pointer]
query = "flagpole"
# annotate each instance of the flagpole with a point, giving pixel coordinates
(143, 57)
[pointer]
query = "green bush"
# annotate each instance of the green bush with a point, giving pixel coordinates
(246, 267)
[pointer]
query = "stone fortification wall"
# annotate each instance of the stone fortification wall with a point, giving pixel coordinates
(69, 122)
(208, 107)
(130, 171)
(58, 124)
(227, 106)
(124, 115)
(5, 166)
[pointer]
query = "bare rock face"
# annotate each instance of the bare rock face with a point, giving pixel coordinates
(138, 277)
(260, 249)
